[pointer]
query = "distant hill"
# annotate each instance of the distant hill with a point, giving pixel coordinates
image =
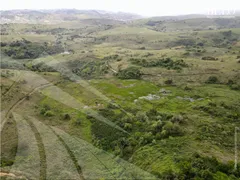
(106, 19)
(226, 14)
(193, 22)
(61, 15)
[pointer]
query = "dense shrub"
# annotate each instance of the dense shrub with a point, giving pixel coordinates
(141, 116)
(178, 119)
(169, 82)
(128, 126)
(235, 87)
(203, 167)
(66, 116)
(88, 69)
(145, 127)
(48, 113)
(130, 73)
(212, 80)
(171, 129)
(227, 33)
(165, 62)
(169, 175)
(6, 162)
(230, 82)
(200, 44)
(209, 58)
(44, 109)
(42, 67)
(77, 121)
(186, 53)
(24, 49)
(116, 57)
(153, 23)
(105, 135)
(183, 42)
(2, 44)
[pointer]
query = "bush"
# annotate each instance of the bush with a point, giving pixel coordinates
(169, 175)
(88, 69)
(200, 44)
(177, 119)
(184, 42)
(169, 82)
(186, 54)
(128, 126)
(235, 87)
(203, 167)
(105, 135)
(187, 88)
(227, 33)
(77, 121)
(44, 109)
(209, 58)
(6, 162)
(212, 80)
(152, 112)
(42, 67)
(147, 138)
(48, 113)
(156, 127)
(170, 129)
(164, 62)
(230, 82)
(2, 44)
(66, 116)
(23, 49)
(141, 116)
(130, 73)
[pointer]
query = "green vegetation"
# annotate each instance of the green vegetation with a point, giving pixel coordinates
(87, 69)
(129, 73)
(25, 49)
(166, 63)
(9, 137)
(212, 80)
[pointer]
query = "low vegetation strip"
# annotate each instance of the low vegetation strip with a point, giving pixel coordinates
(41, 149)
(106, 165)
(30, 158)
(73, 157)
(59, 163)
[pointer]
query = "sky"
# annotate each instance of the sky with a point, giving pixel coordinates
(141, 7)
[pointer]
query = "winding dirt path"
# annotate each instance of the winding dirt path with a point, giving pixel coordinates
(4, 174)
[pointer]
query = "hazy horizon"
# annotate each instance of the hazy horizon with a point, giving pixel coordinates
(144, 8)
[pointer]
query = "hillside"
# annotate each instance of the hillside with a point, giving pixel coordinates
(97, 95)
